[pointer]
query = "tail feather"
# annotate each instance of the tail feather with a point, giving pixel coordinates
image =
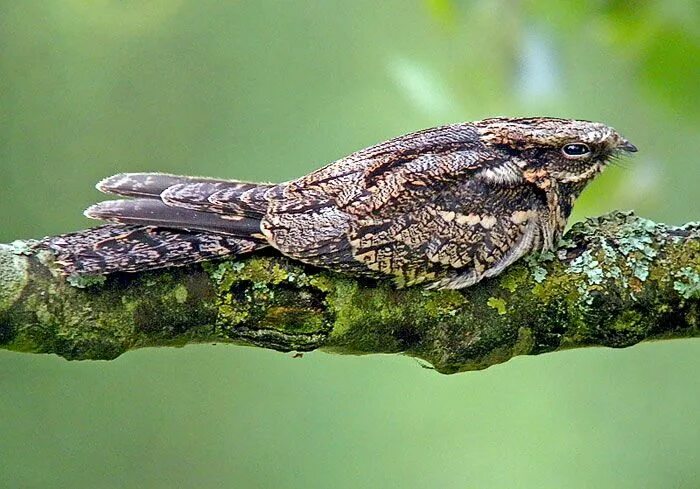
(151, 212)
(114, 248)
(149, 184)
(172, 220)
(238, 199)
(193, 195)
(251, 201)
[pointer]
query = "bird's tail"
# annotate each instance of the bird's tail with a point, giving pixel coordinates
(115, 248)
(170, 221)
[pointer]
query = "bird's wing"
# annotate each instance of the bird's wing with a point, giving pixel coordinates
(400, 174)
(408, 208)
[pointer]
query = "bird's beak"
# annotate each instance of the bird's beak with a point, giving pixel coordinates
(627, 146)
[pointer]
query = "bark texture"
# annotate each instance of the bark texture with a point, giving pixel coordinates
(616, 280)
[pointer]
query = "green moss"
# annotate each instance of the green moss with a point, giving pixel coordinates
(230, 314)
(180, 294)
(498, 352)
(68, 324)
(514, 278)
(85, 281)
(509, 283)
(525, 343)
(346, 310)
(629, 328)
(383, 319)
(324, 282)
(263, 270)
(443, 303)
(555, 286)
(22, 344)
(269, 299)
(259, 270)
(498, 304)
(13, 276)
(292, 320)
(158, 308)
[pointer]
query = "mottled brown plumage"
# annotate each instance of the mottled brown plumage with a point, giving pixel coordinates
(444, 207)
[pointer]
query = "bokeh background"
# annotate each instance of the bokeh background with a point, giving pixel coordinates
(269, 90)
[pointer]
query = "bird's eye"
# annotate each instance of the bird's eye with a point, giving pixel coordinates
(576, 150)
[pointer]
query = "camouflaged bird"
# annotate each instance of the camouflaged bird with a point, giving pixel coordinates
(444, 207)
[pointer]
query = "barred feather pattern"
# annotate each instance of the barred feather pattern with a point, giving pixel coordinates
(116, 248)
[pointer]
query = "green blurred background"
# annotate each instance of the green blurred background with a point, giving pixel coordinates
(268, 90)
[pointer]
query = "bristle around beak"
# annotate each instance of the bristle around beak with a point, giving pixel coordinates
(627, 146)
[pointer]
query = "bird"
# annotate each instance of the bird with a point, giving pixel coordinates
(443, 208)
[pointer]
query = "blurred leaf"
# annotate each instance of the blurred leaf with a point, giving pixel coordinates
(443, 10)
(124, 17)
(424, 88)
(563, 15)
(671, 72)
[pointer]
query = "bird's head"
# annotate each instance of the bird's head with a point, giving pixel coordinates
(545, 148)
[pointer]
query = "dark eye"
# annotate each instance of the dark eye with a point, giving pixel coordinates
(576, 150)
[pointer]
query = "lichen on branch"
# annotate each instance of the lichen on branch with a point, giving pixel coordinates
(614, 281)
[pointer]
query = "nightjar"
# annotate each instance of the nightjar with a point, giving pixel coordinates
(443, 207)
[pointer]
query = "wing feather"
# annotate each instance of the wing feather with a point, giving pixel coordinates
(403, 173)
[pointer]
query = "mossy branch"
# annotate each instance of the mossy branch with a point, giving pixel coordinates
(615, 281)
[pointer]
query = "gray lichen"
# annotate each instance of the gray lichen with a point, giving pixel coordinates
(687, 283)
(623, 256)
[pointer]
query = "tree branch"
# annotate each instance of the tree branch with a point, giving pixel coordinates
(615, 281)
